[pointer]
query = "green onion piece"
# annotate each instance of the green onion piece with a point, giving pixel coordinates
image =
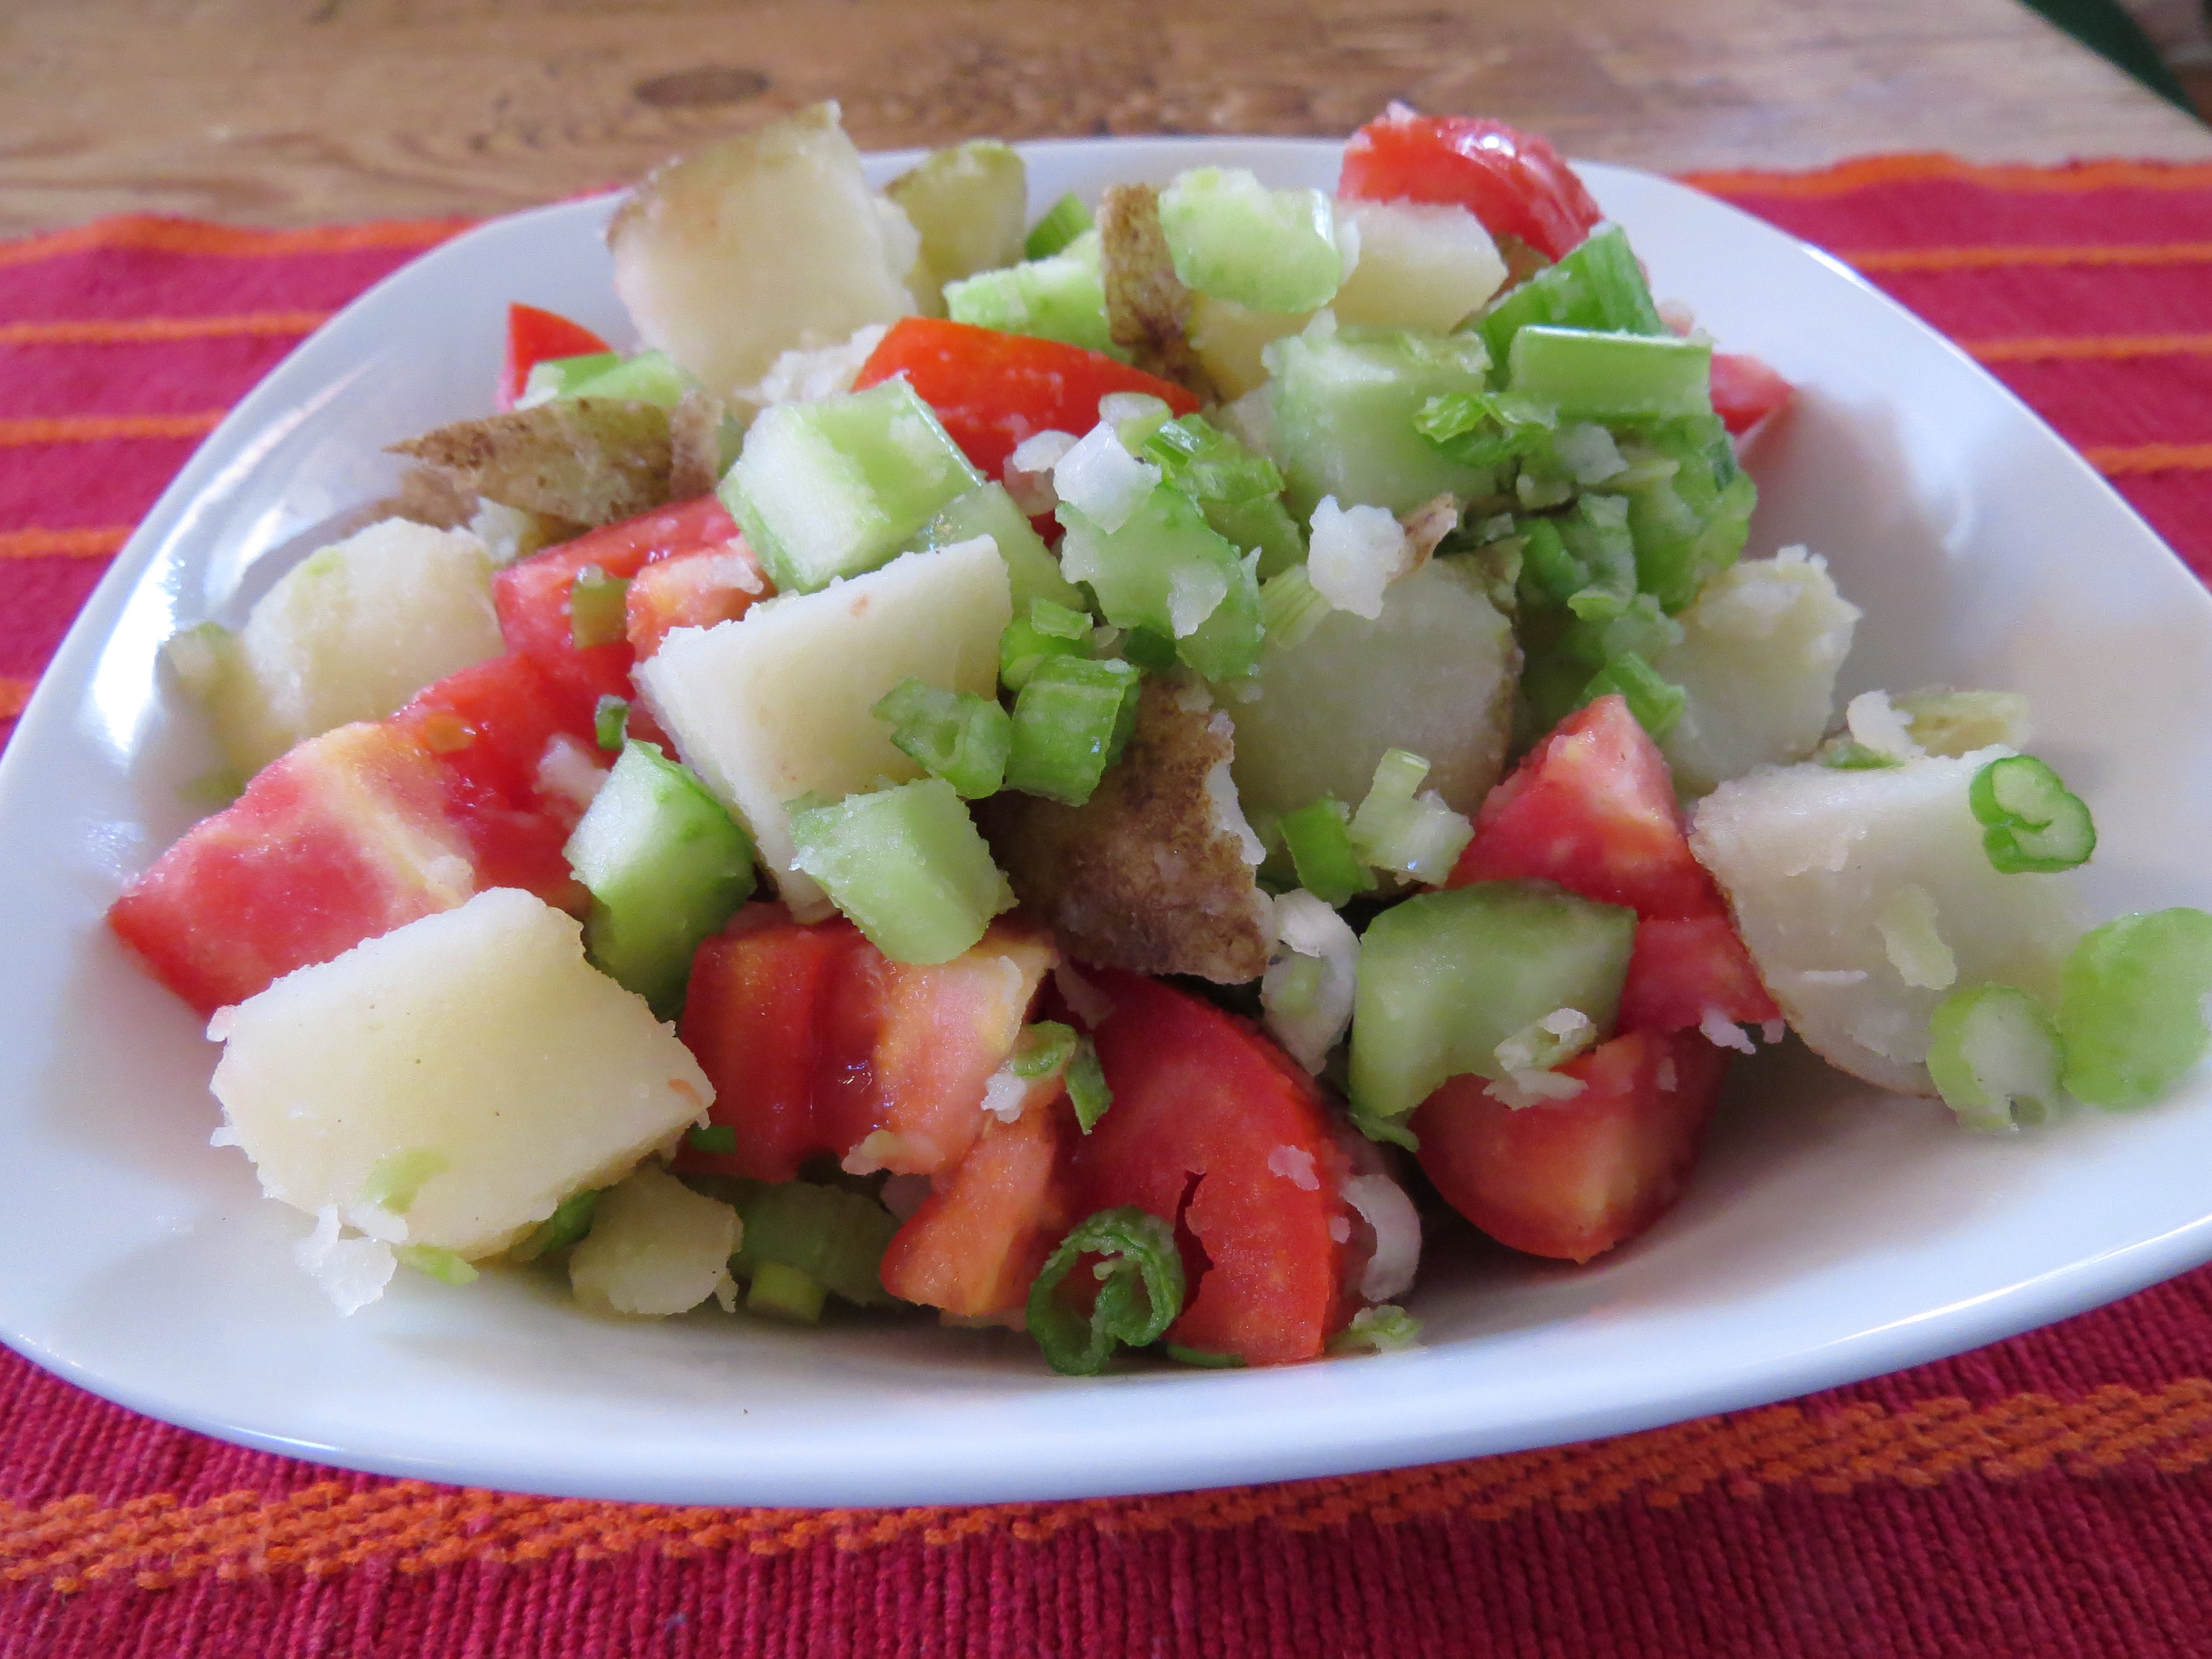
(1058, 622)
(1070, 723)
(1850, 755)
(565, 1226)
(1482, 429)
(1042, 1050)
(1024, 647)
(1209, 464)
(1656, 704)
(2131, 1006)
(396, 1179)
(962, 738)
(1319, 836)
(717, 1137)
(1391, 1131)
(1385, 1328)
(611, 722)
(1291, 608)
(1995, 1055)
(1063, 222)
(2030, 822)
(1087, 1089)
(439, 1263)
(1139, 1291)
(1395, 830)
(782, 1292)
(835, 1237)
(1202, 1357)
(598, 607)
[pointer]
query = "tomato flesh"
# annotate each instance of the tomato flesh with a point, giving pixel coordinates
(1212, 1128)
(696, 589)
(1512, 180)
(532, 337)
(979, 1239)
(991, 390)
(1684, 969)
(1570, 1179)
(1745, 390)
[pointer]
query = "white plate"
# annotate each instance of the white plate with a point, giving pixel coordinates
(1832, 1232)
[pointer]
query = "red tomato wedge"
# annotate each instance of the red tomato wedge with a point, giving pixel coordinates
(1686, 969)
(532, 597)
(991, 390)
(976, 1243)
(532, 337)
(817, 1045)
(1745, 390)
(1512, 180)
(698, 589)
(1213, 1128)
(1572, 1178)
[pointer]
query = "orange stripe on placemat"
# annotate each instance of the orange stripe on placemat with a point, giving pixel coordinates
(14, 694)
(2111, 459)
(95, 428)
(2045, 348)
(132, 331)
(37, 544)
(2030, 254)
(156, 1541)
(1921, 168)
(155, 233)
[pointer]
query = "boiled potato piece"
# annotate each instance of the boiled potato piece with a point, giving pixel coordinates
(656, 1248)
(763, 242)
(1434, 674)
(1229, 337)
(449, 1084)
(1759, 651)
(1421, 265)
(350, 634)
(970, 203)
(777, 704)
(1866, 899)
(589, 460)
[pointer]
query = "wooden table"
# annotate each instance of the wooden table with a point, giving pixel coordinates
(286, 111)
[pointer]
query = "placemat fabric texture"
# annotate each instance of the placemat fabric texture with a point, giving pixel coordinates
(2046, 1496)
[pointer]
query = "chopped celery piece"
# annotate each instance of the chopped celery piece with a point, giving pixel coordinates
(1239, 489)
(837, 487)
(651, 377)
(1070, 722)
(666, 865)
(1656, 704)
(1992, 1049)
(1150, 649)
(598, 606)
(958, 736)
(1612, 377)
(1291, 608)
(1343, 403)
(1134, 416)
(1385, 1328)
(2131, 1006)
(611, 722)
(559, 377)
(1024, 647)
(2031, 822)
(1087, 1089)
(1689, 506)
(1266, 250)
(908, 865)
(834, 1236)
(436, 1262)
(1032, 573)
(1599, 285)
(1057, 621)
(1319, 837)
(1166, 570)
(1140, 1287)
(1042, 1050)
(1203, 1359)
(1479, 428)
(1063, 222)
(782, 1292)
(1060, 298)
(1445, 977)
(396, 1179)
(1394, 829)
(568, 1223)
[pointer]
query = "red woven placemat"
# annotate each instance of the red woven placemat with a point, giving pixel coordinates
(2044, 1496)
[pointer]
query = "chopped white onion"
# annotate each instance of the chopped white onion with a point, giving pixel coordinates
(1382, 1203)
(1194, 593)
(1724, 1033)
(1084, 1001)
(1875, 723)
(1589, 452)
(1102, 481)
(1906, 921)
(1354, 553)
(1296, 1165)
(352, 1271)
(807, 374)
(1536, 1088)
(567, 769)
(1308, 1015)
(1028, 474)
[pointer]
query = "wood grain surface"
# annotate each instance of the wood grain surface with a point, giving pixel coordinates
(287, 111)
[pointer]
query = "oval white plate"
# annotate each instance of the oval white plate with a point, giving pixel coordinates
(1832, 1232)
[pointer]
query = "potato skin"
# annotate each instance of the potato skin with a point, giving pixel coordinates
(593, 460)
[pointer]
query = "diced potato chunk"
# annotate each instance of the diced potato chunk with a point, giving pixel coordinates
(778, 704)
(350, 634)
(1759, 651)
(450, 1083)
(656, 1248)
(970, 205)
(1426, 265)
(763, 242)
(1866, 899)
(1434, 674)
